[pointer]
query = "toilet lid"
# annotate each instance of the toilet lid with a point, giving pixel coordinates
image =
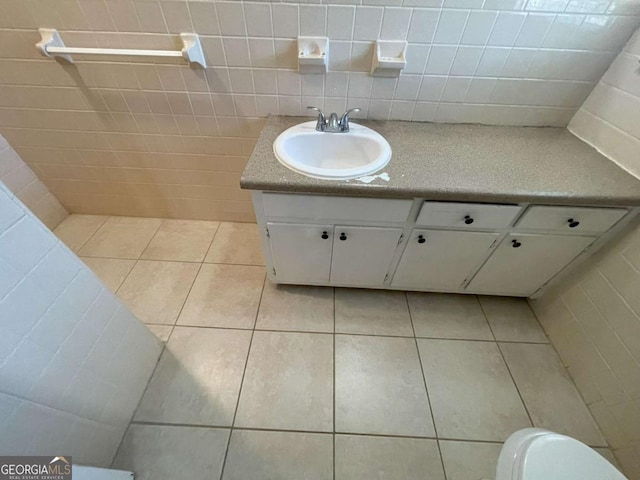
(557, 457)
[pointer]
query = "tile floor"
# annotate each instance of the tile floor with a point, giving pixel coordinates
(265, 382)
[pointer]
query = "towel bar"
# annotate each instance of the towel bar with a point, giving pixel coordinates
(52, 45)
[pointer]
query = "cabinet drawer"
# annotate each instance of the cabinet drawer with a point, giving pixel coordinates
(466, 215)
(323, 208)
(570, 219)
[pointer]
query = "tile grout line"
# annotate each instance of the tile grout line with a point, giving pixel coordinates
(424, 382)
(486, 318)
(115, 292)
(137, 261)
(353, 334)
(77, 252)
(244, 372)
(504, 360)
(321, 432)
(195, 277)
(334, 381)
(184, 302)
(566, 369)
(213, 239)
(164, 344)
(133, 416)
(172, 261)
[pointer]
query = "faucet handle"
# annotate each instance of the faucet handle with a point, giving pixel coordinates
(344, 120)
(321, 124)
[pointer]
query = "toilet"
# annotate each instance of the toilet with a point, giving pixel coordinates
(536, 454)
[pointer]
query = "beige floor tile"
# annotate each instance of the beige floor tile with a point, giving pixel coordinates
(77, 229)
(161, 331)
(548, 392)
(608, 454)
(237, 243)
(279, 455)
(156, 291)
(512, 320)
(440, 315)
(374, 312)
(296, 308)
(198, 378)
(181, 240)
(121, 237)
(629, 462)
(359, 457)
(288, 382)
(380, 388)
(224, 296)
(112, 271)
(472, 394)
(470, 460)
(159, 452)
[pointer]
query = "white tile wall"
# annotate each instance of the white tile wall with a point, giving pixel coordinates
(20, 179)
(609, 119)
(116, 137)
(74, 361)
(593, 319)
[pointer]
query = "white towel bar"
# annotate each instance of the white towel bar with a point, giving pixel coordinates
(52, 45)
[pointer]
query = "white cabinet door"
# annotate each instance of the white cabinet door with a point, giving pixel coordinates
(523, 263)
(301, 253)
(441, 260)
(362, 255)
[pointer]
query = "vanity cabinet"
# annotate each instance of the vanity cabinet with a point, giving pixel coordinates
(412, 244)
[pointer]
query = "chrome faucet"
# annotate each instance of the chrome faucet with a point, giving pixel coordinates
(333, 124)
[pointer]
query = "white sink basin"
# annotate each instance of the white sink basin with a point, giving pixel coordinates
(357, 153)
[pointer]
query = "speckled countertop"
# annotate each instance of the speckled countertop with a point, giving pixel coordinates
(463, 163)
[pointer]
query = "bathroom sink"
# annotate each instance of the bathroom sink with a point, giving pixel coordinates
(337, 156)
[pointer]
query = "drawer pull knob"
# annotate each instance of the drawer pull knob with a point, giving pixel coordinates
(421, 239)
(573, 223)
(468, 220)
(325, 235)
(515, 243)
(343, 236)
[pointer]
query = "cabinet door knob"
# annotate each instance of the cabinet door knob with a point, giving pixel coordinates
(325, 235)
(468, 220)
(421, 239)
(343, 236)
(573, 223)
(515, 243)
